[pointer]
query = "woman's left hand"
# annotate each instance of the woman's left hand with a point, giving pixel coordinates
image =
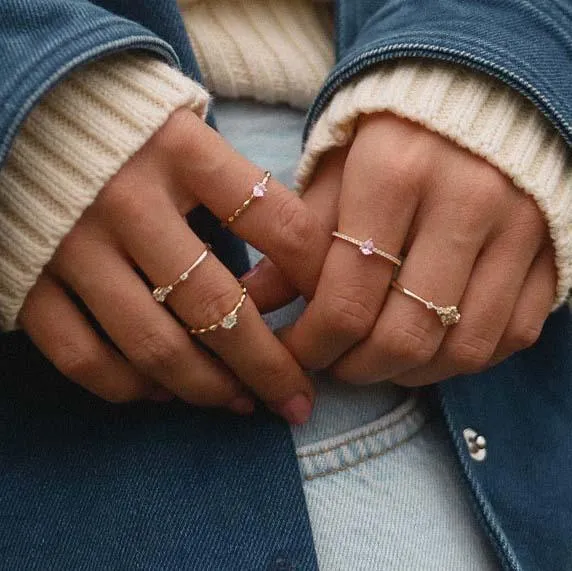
(468, 238)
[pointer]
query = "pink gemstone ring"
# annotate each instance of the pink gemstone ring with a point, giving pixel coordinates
(367, 247)
(259, 190)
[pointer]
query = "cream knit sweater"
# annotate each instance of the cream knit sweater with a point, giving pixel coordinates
(272, 51)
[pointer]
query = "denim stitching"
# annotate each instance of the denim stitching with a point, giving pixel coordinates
(141, 41)
(364, 459)
(373, 432)
(482, 507)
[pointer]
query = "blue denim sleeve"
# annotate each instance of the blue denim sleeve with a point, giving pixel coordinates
(527, 44)
(43, 40)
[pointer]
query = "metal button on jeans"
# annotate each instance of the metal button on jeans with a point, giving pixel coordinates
(476, 443)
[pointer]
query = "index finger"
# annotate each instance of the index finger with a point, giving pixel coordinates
(277, 223)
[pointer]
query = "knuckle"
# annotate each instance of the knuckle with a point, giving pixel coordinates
(180, 133)
(296, 223)
(118, 394)
(402, 168)
(483, 194)
(214, 302)
(528, 220)
(156, 351)
(522, 337)
(349, 314)
(472, 354)
(413, 344)
(76, 362)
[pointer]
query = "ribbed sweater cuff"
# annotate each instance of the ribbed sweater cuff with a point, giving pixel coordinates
(69, 147)
(478, 113)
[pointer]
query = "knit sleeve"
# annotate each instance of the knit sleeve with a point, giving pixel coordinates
(477, 112)
(69, 147)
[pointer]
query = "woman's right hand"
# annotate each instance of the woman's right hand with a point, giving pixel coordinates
(137, 221)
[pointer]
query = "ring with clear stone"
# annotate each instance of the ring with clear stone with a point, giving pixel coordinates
(160, 293)
(448, 314)
(228, 321)
(258, 191)
(367, 247)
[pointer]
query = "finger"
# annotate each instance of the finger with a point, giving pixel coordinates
(444, 249)
(531, 309)
(353, 286)
(250, 349)
(267, 285)
(278, 224)
(63, 334)
(155, 344)
(488, 302)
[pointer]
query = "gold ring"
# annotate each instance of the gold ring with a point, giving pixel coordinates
(367, 247)
(228, 321)
(160, 293)
(258, 191)
(449, 314)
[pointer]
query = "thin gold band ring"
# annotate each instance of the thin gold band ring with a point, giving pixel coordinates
(228, 321)
(258, 191)
(160, 293)
(448, 314)
(367, 247)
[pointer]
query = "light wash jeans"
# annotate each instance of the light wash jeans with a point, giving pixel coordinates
(382, 484)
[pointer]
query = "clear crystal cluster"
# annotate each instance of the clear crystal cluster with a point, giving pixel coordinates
(229, 321)
(449, 315)
(160, 293)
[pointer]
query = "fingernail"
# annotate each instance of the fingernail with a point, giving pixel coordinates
(253, 271)
(242, 405)
(297, 410)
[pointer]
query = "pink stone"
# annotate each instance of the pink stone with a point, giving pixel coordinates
(259, 190)
(367, 247)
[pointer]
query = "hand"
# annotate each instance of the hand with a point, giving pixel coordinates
(137, 221)
(469, 237)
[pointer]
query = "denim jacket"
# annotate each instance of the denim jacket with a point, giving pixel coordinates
(87, 485)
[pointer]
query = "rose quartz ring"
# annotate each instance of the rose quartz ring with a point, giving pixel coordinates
(367, 247)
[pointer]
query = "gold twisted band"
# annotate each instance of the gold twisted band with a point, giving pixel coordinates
(228, 321)
(449, 314)
(160, 293)
(258, 191)
(367, 247)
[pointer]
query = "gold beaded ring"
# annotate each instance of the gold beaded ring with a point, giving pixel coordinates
(449, 314)
(228, 321)
(160, 293)
(258, 191)
(367, 247)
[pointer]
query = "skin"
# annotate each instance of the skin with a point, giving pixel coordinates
(138, 221)
(469, 238)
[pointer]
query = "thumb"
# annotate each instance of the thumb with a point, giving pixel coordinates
(268, 287)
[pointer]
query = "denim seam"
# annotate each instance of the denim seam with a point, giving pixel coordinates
(373, 432)
(365, 458)
(469, 40)
(483, 509)
(141, 41)
(412, 49)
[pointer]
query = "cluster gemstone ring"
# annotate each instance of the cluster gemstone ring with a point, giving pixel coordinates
(448, 314)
